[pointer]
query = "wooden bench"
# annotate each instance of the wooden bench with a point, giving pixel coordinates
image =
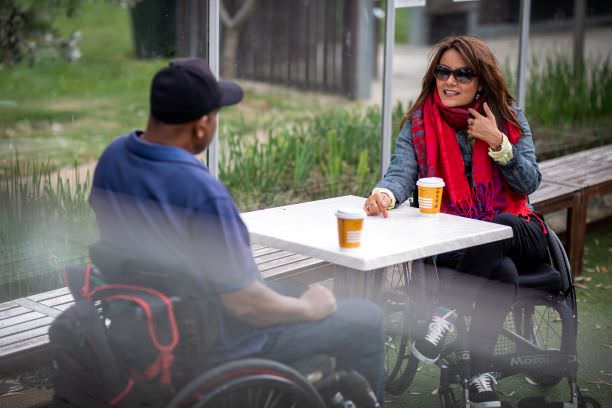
(569, 182)
(24, 322)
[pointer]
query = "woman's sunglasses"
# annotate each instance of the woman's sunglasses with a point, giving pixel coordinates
(463, 75)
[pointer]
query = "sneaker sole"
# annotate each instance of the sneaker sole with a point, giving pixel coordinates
(486, 404)
(421, 357)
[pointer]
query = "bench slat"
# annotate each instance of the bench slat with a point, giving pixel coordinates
(584, 169)
(50, 294)
(263, 251)
(24, 336)
(13, 321)
(297, 266)
(7, 305)
(41, 321)
(25, 302)
(279, 262)
(549, 190)
(63, 307)
(25, 346)
(273, 256)
(317, 271)
(15, 311)
(59, 300)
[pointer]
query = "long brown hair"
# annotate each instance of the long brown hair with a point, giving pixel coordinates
(479, 58)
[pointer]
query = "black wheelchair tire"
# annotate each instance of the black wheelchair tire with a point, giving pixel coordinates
(400, 364)
(211, 387)
(408, 298)
(584, 401)
(402, 377)
(544, 380)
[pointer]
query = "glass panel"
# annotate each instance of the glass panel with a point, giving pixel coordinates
(302, 132)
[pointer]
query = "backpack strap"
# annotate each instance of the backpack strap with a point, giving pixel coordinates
(161, 322)
(123, 393)
(77, 279)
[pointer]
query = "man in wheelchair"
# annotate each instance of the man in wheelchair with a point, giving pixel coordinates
(156, 204)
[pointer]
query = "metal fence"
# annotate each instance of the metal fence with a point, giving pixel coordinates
(307, 44)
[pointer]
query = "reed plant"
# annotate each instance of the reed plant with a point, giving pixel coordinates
(45, 224)
(560, 95)
(568, 109)
(330, 154)
(557, 92)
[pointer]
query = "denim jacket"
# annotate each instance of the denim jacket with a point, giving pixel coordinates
(522, 172)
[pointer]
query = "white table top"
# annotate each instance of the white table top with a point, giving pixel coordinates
(310, 229)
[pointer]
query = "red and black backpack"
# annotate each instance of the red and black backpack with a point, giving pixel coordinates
(117, 344)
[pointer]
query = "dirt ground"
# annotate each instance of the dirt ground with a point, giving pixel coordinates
(27, 398)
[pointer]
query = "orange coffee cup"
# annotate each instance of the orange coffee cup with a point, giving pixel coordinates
(350, 227)
(430, 195)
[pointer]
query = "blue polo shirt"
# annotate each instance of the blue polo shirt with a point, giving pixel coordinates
(161, 203)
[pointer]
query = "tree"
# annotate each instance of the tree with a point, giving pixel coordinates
(27, 28)
(25, 25)
(233, 29)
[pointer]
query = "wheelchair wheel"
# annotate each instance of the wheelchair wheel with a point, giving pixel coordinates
(249, 383)
(400, 314)
(542, 325)
(588, 402)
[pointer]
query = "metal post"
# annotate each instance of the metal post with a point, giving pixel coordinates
(579, 25)
(523, 41)
(212, 153)
(194, 41)
(385, 148)
(364, 49)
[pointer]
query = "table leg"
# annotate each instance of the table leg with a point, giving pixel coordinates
(353, 283)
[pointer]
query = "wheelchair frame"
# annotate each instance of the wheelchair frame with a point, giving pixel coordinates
(547, 366)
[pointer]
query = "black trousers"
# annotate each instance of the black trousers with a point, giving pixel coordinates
(487, 282)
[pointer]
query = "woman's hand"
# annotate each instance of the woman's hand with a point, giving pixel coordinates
(485, 127)
(377, 203)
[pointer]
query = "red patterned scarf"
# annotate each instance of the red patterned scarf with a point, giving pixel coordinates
(439, 155)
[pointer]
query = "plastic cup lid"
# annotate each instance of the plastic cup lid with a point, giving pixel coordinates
(350, 213)
(431, 182)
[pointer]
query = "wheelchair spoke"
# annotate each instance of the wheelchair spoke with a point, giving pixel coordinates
(271, 399)
(544, 329)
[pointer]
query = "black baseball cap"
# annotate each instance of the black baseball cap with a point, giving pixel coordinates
(186, 90)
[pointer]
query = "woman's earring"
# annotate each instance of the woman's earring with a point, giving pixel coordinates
(477, 95)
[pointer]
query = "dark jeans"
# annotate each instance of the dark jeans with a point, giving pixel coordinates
(353, 334)
(488, 278)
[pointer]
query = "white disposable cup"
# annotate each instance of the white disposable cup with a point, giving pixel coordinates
(350, 227)
(430, 195)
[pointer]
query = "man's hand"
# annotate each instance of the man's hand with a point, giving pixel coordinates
(320, 300)
(485, 127)
(376, 204)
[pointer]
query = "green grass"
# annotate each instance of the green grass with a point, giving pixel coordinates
(86, 103)
(594, 339)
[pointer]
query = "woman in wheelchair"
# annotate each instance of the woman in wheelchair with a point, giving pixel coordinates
(465, 128)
